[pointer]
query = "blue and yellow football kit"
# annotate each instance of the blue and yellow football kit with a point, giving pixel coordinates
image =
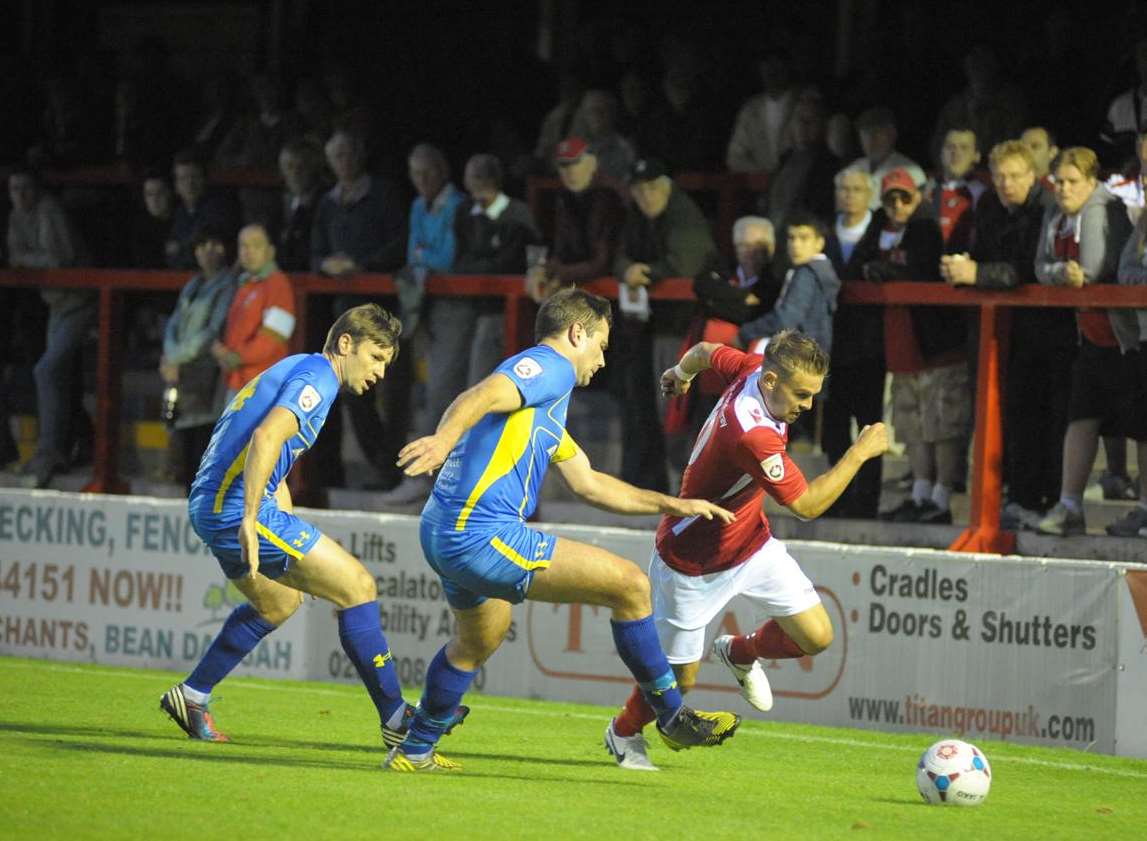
(304, 384)
(473, 530)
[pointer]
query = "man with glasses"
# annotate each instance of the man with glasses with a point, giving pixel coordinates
(1042, 345)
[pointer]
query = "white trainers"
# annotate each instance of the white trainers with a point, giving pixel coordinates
(752, 679)
(631, 752)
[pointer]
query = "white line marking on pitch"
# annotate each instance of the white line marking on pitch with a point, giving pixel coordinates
(753, 731)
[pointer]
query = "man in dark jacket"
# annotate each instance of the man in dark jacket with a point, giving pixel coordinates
(665, 235)
(924, 348)
(587, 222)
(1042, 346)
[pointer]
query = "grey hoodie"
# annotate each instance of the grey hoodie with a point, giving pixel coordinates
(1101, 229)
(807, 302)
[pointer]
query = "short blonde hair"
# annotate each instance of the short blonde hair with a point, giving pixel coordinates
(1082, 158)
(1011, 149)
(791, 350)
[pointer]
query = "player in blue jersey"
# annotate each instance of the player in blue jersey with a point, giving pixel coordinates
(494, 444)
(240, 506)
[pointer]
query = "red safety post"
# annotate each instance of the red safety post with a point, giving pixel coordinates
(105, 466)
(983, 533)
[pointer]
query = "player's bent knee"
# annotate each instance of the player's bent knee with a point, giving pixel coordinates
(635, 592)
(818, 640)
(282, 610)
(362, 586)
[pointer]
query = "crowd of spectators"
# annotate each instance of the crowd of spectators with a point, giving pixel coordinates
(993, 201)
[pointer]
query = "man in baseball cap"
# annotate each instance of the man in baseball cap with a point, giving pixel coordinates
(924, 349)
(588, 217)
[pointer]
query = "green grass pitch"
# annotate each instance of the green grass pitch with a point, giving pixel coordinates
(86, 753)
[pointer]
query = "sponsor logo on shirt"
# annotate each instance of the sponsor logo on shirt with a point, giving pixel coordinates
(526, 368)
(774, 467)
(309, 398)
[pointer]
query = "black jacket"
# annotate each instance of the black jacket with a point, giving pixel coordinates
(1005, 250)
(857, 329)
(721, 299)
(919, 251)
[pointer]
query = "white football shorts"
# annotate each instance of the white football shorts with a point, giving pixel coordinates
(684, 605)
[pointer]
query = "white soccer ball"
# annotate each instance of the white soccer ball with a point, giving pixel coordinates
(952, 772)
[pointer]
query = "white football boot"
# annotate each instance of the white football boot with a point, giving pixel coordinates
(631, 752)
(752, 679)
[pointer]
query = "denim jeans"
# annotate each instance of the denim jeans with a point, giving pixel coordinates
(55, 374)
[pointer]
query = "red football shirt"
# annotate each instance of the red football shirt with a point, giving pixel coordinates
(739, 454)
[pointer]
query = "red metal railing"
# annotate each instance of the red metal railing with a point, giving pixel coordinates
(982, 535)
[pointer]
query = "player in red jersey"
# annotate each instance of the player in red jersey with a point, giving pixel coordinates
(698, 565)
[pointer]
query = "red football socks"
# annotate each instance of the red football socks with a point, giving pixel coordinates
(634, 715)
(769, 642)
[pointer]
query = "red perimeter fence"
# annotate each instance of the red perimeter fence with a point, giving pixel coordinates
(982, 535)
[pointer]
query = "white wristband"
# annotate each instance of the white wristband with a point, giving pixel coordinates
(681, 375)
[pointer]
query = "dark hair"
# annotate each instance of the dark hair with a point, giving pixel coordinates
(366, 321)
(190, 155)
(570, 306)
(807, 219)
(487, 169)
(963, 128)
(305, 149)
(208, 232)
(791, 350)
(879, 117)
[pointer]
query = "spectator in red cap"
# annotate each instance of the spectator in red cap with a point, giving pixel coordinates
(924, 348)
(587, 224)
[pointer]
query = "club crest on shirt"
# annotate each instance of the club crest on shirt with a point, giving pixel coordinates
(309, 398)
(774, 467)
(526, 368)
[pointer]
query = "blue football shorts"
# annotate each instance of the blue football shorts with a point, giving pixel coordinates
(497, 561)
(283, 539)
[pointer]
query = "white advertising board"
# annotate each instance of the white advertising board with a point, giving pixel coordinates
(1041, 652)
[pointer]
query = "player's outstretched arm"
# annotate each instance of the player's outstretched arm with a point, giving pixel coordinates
(676, 380)
(497, 393)
(612, 494)
(262, 452)
(825, 489)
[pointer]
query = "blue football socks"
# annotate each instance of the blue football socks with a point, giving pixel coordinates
(445, 686)
(640, 650)
(362, 639)
(240, 634)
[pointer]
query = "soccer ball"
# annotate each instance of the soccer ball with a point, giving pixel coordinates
(953, 772)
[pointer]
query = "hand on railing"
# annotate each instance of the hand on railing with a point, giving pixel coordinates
(1073, 274)
(958, 269)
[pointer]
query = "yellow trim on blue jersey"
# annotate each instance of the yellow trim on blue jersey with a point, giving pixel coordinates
(509, 552)
(277, 541)
(244, 394)
(566, 450)
(512, 444)
(232, 472)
